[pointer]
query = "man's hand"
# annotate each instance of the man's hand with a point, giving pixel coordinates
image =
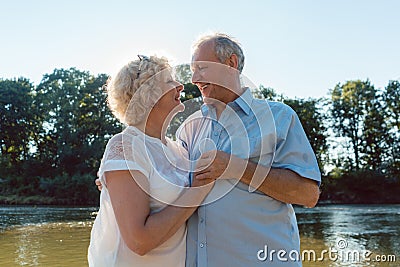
(282, 184)
(202, 182)
(98, 184)
(216, 164)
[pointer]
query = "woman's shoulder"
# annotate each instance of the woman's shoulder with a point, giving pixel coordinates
(127, 135)
(122, 145)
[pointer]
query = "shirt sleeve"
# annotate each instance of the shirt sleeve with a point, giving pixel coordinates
(123, 152)
(293, 150)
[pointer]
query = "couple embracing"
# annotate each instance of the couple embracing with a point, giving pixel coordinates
(222, 190)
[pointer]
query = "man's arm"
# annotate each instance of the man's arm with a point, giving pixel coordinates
(282, 184)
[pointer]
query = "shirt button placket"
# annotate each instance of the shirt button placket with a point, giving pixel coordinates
(202, 240)
(216, 134)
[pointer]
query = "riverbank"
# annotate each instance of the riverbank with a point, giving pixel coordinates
(41, 200)
(79, 190)
(52, 201)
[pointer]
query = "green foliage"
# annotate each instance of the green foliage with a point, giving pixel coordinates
(56, 131)
(17, 121)
(52, 137)
(267, 93)
(62, 189)
(76, 123)
(361, 187)
(391, 98)
(183, 73)
(359, 113)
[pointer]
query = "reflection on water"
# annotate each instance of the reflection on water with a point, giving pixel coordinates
(351, 229)
(44, 236)
(57, 236)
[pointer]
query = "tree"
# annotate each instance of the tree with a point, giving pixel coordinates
(358, 114)
(347, 113)
(267, 93)
(391, 99)
(375, 136)
(183, 73)
(76, 121)
(17, 122)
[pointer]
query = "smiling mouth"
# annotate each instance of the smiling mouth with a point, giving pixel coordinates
(204, 86)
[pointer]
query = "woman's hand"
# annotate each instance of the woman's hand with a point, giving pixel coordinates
(98, 184)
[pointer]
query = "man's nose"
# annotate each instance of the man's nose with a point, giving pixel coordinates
(195, 76)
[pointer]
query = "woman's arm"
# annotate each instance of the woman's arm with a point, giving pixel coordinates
(141, 231)
(282, 184)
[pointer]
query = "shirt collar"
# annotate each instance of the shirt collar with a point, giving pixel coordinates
(244, 101)
(204, 109)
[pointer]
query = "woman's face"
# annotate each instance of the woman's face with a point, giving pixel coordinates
(169, 103)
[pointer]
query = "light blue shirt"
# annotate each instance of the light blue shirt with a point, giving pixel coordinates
(238, 227)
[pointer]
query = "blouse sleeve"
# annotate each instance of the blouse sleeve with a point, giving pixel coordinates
(124, 152)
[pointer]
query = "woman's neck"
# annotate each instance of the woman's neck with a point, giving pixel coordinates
(154, 127)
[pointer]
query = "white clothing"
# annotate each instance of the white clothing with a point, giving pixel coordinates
(163, 166)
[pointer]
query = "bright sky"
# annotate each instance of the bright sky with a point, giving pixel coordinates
(300, 48)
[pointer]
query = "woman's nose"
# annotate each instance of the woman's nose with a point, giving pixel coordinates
(179, 88)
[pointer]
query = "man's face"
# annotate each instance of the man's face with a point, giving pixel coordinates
(213, 78)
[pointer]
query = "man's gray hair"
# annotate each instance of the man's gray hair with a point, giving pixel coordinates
(225, 46)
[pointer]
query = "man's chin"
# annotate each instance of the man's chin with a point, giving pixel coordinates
(210, 101)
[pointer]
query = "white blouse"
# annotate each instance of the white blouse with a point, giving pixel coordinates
(167, 173)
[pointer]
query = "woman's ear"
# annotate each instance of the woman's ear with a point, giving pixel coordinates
(232, 61)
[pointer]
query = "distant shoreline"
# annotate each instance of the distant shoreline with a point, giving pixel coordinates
(38, 200)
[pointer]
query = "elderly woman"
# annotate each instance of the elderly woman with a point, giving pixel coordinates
(144, 203)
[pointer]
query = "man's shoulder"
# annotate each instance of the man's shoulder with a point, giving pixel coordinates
(278, 109)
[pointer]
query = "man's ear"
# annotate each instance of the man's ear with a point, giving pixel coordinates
(232, 61)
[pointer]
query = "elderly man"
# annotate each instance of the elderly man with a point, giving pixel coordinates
(239, 225)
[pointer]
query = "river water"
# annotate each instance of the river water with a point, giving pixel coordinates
(332, 235)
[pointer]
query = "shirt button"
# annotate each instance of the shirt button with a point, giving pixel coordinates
(201, 220)
(215, 133)
(201, 245)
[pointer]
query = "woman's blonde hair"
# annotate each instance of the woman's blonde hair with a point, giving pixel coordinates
(134, 90)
